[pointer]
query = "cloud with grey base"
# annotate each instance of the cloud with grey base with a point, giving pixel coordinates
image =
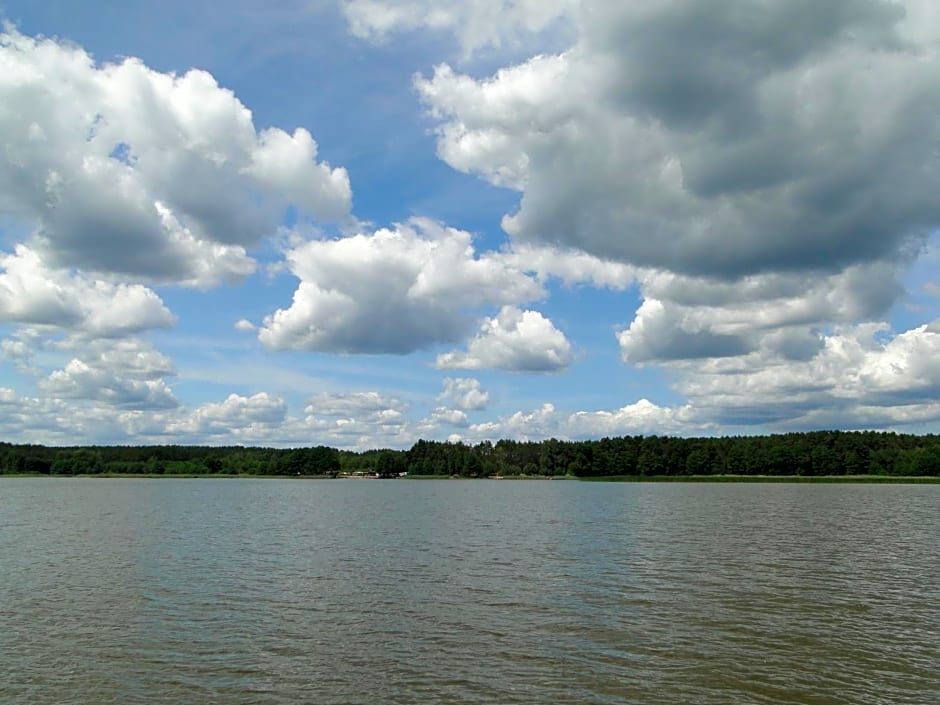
(122, 169)
(719, 139)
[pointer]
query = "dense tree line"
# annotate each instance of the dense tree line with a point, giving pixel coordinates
(168, 460)
(808, 454)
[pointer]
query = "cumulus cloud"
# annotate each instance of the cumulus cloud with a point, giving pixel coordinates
(571, 267)
(657, 333)
(477, 25)
(641, 417)
(108, 391)
(692, 137)
(765, 172)
(464, 393)
(125, 374)
(66, 420)
(688, 317)
(33, 293)
(131, 357)
(233, 415)
(369, 406)
(401, 289)
(392, 291)
(516, 340)
(442, 416)
(860, 376)
(123, 169)
(358, 420)
(37, 420)
(16, 351)
(79, 380)
(460, 395)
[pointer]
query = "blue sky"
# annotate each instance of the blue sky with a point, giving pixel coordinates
(364, 222)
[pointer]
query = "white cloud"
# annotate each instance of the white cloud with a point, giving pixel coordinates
(766, 208)
(909, 362)
(245, 326)
(464, 393)
(692, 140)
(572, 267)
(767, 195)
(369, 406)
(522, 341)
(684, 318)
(124, 169)
(541, 423)
(476, 24)
(642, 417)
(80, 380)
(858, 375)
(359, 420)
(656, 334)
(15, 350)
(36, 420)
(133, 357)
(33, 293)
(236, 414)
(124, 374)
(392, 291)
(442, 416)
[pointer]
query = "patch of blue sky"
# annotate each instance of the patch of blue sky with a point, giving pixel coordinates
(922, 284)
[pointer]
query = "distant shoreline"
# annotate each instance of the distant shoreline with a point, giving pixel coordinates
(797, 479)
(791, 479)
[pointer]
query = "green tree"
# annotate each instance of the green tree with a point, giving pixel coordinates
(650, 459)
(473, 465)
(212, 464)
(698, 462)
(389, 464)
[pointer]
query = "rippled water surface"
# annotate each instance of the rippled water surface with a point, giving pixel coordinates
(271, 591)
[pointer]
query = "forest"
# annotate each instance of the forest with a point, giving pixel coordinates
(818, 453)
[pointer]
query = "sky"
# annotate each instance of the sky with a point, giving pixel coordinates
(359, 223)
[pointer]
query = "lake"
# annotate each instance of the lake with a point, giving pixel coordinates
(356, 591)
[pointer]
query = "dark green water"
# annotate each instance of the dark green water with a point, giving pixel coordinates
(268, 591)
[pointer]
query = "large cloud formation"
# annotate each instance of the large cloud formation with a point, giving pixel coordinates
(685, 318)
(416, 284)
(123, 169)
(765, 171)
(711, 138)
(856, 379)
(392, 291)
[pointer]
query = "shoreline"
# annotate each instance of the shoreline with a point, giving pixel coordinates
(789, 479)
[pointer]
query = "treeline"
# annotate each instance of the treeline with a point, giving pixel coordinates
(810, 454)
(817, 453)
(167, 460)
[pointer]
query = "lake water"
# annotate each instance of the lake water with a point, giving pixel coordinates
(346, 591)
